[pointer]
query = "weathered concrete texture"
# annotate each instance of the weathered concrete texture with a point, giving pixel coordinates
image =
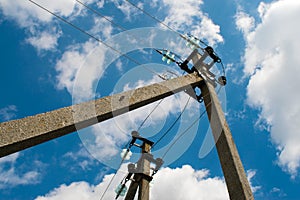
(235, 177)
(20, 134)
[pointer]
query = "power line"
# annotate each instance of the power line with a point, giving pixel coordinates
(154, 18)
(85, 32)
(95, 38)
(111, 180)
(129, 58)
(182, 134)
(119, 52)
(101, 15)
(154, 143)
(171, 29)
(120, 27)
(156, 106)
(123, 158)
(188, 128)
(170, 128)
(142, 39)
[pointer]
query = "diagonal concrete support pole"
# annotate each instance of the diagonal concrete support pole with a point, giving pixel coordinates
(20, 134)
(235, 177)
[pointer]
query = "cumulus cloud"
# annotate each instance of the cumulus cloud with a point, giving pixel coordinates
(36, 20)
(128, 10)
(27, 14)
(244, 22)
(8, 112)
(44, 40)
(250, 174)
(272, 64)
(10, 176)
(188, 183)
(181, 183)
(71, 61)
(86, 58)
(110, 135)
(82, 158)
(185, 15)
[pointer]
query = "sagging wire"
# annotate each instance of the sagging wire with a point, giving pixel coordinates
(122, 184)
(112, 48)
(190, 38)
(189, 127)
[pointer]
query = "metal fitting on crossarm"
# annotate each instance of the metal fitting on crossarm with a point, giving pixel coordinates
(136, 136)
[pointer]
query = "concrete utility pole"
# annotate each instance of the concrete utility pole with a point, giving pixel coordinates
(142, 171)
(235, 176)
(142, 178)
(145, 166)
(17, 135)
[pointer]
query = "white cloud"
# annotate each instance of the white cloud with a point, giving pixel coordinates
(87, 59)
(250, 174)
(8, 112)
(34, 19)
(27, 14)
(128, 10)
(102, 28)
(44, 40)
(79, 57)
(82, 158)
(181, 183)
(76, 190)
(10, 175)
(272, 62)
(185, 15)
(244, 22)
(112, 134)
(187, 183)
(101, 3)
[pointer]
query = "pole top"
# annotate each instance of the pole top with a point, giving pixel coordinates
(136, 136)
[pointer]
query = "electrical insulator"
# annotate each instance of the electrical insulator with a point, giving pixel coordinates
(164, 58)
(168, 57)
(121, 190)
(222, 80)
(193, 42)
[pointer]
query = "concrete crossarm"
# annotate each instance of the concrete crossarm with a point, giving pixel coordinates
(20, 134)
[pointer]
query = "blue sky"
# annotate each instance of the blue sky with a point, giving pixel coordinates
(47, 64)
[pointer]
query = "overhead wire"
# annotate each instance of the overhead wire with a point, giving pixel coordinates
(182, 134)
(186, 104)
(85, 32)
(127, 149)
(120, 27)
(169, 27)
(154, 18)
(173, 124)
(143, 122)
(101, 15)
(112, 48)
(201, 115)
(129, 58)
(155, 142)
(94, 37)
(112, 178)
(188, 128)
(151, 16)
(124, 29)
